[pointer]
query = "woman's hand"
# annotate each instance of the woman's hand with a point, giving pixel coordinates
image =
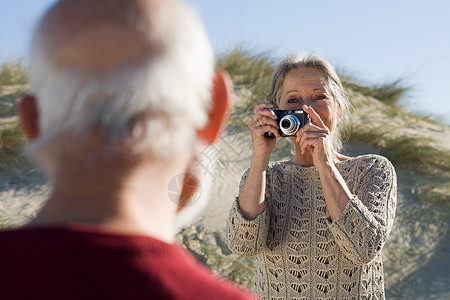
(264, 120)
(315, 137)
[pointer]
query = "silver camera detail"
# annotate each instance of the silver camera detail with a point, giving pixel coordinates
(289, 122)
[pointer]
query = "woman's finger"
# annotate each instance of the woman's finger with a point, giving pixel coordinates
(314, 139)
(265, 105)
(261, 130)
(311, 128)
(267, 121)
(314, 116)
(265, 113)
(261, 121)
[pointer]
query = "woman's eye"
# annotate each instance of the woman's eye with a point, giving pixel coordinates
(321, 97)
(292, 100)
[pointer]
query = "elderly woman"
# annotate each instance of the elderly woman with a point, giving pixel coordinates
(318, 222)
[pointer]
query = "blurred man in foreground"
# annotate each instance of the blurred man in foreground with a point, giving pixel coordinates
(125, 98)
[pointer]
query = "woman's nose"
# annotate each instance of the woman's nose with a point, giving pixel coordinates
(307, 101)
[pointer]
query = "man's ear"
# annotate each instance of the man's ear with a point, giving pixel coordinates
(218, 113)
(28, 116)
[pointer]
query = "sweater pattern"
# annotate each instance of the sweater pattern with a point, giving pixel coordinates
(302, 254)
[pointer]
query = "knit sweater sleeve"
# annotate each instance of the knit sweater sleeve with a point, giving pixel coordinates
(367, 220)
(246, 237)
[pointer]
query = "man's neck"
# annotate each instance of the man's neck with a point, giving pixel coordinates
(138, 204)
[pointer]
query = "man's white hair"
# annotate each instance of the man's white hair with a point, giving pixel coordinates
(153, 104)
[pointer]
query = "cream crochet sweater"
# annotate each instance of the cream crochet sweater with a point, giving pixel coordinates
(300, 253)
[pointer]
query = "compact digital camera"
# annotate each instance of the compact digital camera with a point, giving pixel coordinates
(289, 122)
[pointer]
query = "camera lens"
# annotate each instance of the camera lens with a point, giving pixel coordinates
(289, 124)
(286, 123)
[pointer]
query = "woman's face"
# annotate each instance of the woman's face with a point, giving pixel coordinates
(309, 86)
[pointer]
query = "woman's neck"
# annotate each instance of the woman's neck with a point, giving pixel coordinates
(306, 160)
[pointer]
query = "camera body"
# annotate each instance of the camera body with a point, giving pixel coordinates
(289, 122)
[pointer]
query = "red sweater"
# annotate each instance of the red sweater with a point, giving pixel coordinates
(78, 262)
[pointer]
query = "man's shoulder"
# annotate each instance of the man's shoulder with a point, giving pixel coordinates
(150, 266)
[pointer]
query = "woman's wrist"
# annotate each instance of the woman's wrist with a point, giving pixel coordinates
(327, 163)
(259, 163)
(325, 166)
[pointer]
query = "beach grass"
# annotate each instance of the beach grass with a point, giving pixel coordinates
(13, 72)
(390, 93)
(251, 74)
(12, 142)
(13, 81)
(405, 150)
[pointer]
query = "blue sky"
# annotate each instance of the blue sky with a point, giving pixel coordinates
(375, 41)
